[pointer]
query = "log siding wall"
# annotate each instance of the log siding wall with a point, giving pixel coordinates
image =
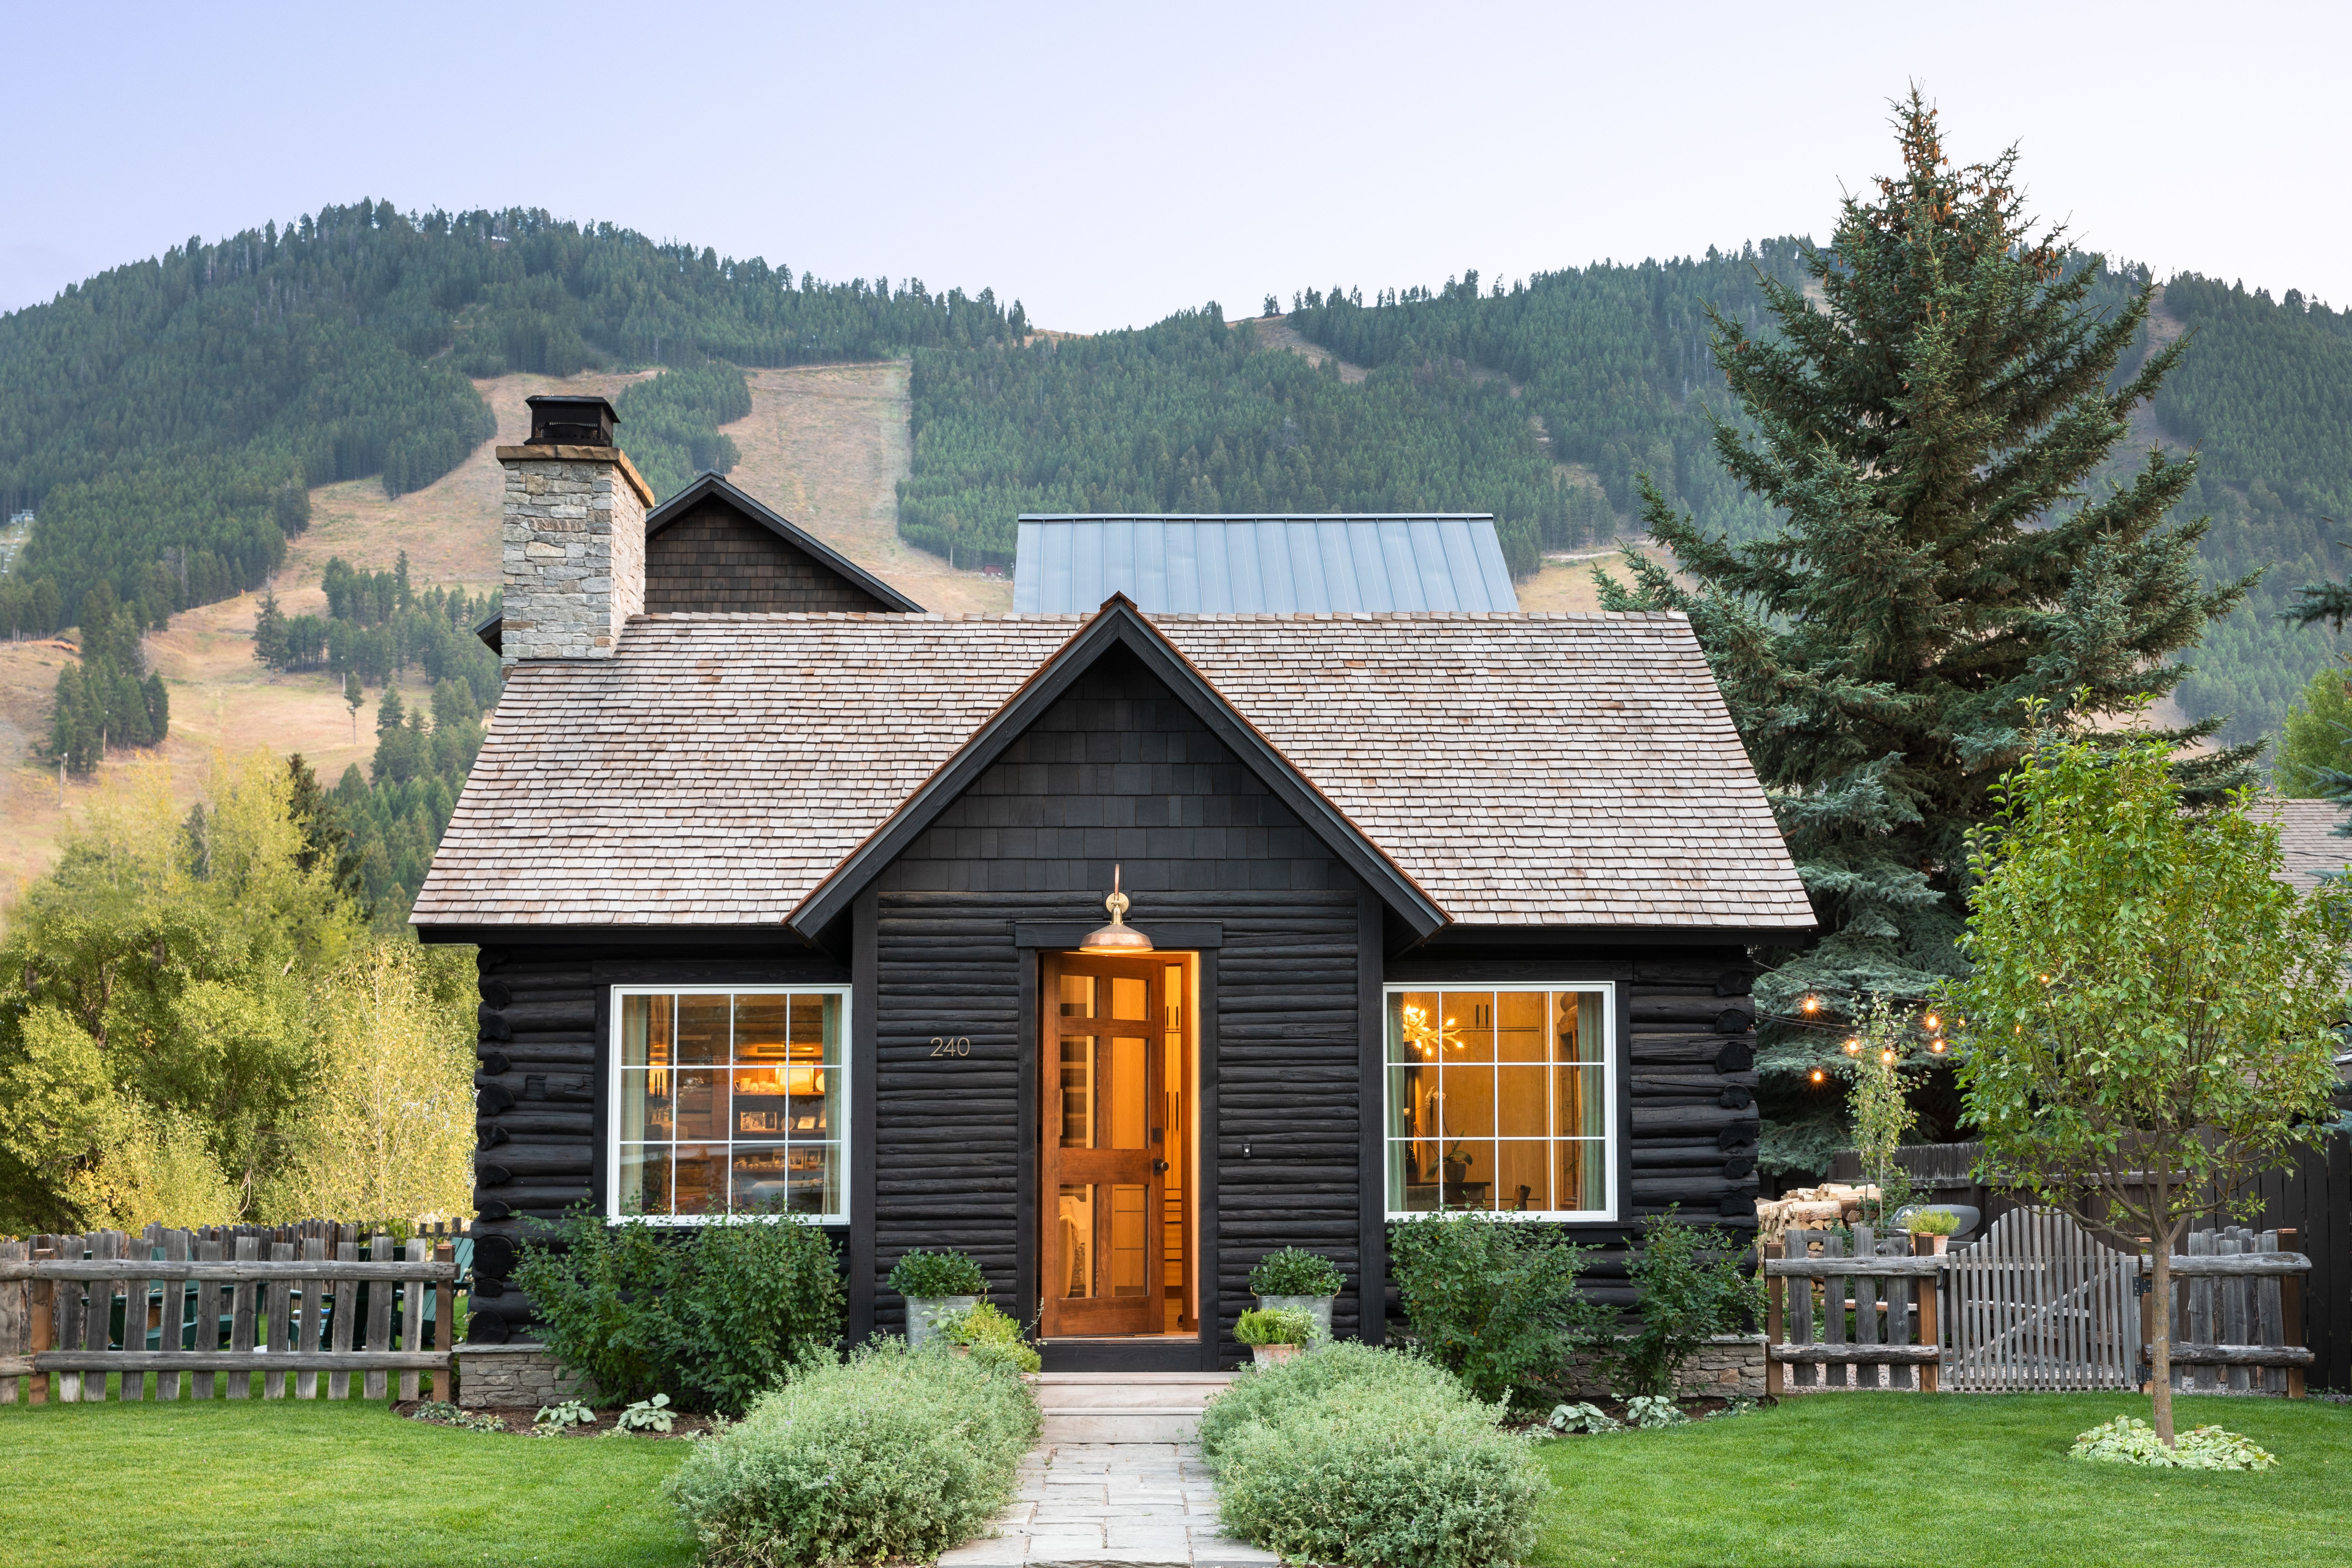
(715, 558)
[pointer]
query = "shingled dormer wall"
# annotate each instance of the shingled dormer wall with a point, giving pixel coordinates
(716, 557)
(574, 547)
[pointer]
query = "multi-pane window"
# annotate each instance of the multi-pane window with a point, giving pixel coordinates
(1498, 1100)
(728, 1102)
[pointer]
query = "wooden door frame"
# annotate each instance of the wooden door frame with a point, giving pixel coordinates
(1202, 940)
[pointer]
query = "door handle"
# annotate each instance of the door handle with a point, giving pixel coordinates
(1158, 1167)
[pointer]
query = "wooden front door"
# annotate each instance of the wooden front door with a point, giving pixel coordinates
(1112, 1140)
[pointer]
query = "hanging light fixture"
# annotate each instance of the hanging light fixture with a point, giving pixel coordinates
(1117, 937)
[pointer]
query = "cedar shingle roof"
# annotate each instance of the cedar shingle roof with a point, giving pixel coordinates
(2306, 837)
(1523, 769)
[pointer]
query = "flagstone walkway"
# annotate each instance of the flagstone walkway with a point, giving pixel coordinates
(1121, 1505)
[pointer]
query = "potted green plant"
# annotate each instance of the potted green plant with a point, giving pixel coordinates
(989, 1335)
(1275, 1336)
(1939, 1223)
(937, 1285)
(1296, 1280)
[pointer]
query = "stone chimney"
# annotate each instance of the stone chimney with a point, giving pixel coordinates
(575, 536)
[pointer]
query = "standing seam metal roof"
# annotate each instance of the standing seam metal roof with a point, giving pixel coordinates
(1278, 563)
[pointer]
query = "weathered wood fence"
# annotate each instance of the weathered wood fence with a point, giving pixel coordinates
(217, 1311)
(2038, 1304)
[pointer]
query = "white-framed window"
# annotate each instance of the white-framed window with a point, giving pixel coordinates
(1500, 1100)
(730, 1101)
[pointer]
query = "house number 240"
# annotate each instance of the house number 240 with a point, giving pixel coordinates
(950, 1046)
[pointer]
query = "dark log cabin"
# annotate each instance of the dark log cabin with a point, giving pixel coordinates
(789, 899)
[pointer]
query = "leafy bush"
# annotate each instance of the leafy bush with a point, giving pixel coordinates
(992, 1337)
(1294, 1271)
(921, 1276)
(2127, 1440)
(1931, 1222)
(1338, 1372)
(1492, 1301)
(709, 1316)
(889, 1454)
(1383, 1479)
(1275, 1326)
(1695, 1285)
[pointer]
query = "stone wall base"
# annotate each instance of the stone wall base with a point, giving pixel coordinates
(1726, 1364)
(520, 1373)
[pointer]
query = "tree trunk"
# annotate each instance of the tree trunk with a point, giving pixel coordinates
(2160, 1359)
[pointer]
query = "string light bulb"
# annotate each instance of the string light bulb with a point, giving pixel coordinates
(1886, 1056)
(1933, 1022)
(1817, 1075)
(1854, 1047)
(1935, 1046)
(1812, 1004)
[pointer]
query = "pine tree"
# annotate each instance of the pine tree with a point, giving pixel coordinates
(1928, 432)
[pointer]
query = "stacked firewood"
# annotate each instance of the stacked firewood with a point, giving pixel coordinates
(1813, 1208)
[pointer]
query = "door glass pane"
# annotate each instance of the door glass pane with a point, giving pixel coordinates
(758, 1179)
(1077, 995)
(1522, 1175)
(1127, 1000)
(1076, 1220)
(1077, 1091)
(1129, 1107)
(1129, 1241)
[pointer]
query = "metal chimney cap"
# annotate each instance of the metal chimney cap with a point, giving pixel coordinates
(567, 421)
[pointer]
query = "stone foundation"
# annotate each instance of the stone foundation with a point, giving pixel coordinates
(518, 1374)
(1726, 1364)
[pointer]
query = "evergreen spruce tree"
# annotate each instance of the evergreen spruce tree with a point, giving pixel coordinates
(1928, 432)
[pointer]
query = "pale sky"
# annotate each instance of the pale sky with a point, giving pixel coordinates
(1108, 164)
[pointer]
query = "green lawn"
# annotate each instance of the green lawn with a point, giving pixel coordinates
(310, 1483)
(1951, 1480)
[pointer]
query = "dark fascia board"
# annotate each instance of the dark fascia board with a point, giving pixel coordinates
(491, 629)
(1460, 935)
(1170, 936)
(1119, 624)
(783, 527)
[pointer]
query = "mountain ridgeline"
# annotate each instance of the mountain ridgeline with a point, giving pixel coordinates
(167, 419)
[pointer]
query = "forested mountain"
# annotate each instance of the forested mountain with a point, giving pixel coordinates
(1191, 416)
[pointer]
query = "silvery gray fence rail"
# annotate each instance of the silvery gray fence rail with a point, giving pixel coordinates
(2038, 1304)
(202, 1314)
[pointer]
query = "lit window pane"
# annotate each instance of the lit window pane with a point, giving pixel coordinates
(1077, 995)
(1579, 1102)
(643, 1184)
(1519, 1026)
(1412, 1178)
(644, 1104)
(1469, 1173)
(813, 1182)
(702, 1097)
(702, 1030)
(761, 1027)
(1415, 1026)
(1578, 1026)
(645, 1031)
(817, 1029)
(1519, 1102)
(757, 1178)
(1467, 1094)
(701, 1179)
(1523, 1175)
(1581, 1175)
(1467, 1021)
(759, 1102)
(1075, 1214)
(1128, 1001)
(811, 1112)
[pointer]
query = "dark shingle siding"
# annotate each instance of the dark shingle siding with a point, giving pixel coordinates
(715, 558)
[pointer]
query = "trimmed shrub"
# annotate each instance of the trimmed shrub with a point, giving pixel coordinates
(1295, 1271)
(1275, 1326)
(710, 1316)
(1494, 1302)
(992, 1337)
(890, 1454)
(1337, 1373)
(1387, 1478)
(924, 1275)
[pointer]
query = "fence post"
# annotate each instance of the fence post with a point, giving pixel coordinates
(1926, 1289)
(14, 1312)
(1776, 1293)
(41, 1301)
(2291, 1311)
